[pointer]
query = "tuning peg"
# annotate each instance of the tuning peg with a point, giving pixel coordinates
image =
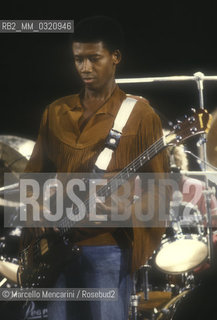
(178, 138)
(193, 130)
(178, 121)
(193, 110)
(176, 127)
(191, 119)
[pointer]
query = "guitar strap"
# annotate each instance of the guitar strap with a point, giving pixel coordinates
(114, 135)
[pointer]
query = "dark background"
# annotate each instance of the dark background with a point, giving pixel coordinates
(163, 38)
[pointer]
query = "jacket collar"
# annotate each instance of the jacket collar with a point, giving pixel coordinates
(109, 106)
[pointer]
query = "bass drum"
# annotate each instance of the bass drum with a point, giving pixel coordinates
(198, 303)
(162, 288)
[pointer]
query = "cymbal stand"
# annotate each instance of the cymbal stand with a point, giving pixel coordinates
(145, 284)
(145, 287)
(199, 77)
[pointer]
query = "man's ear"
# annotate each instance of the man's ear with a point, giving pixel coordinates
(116, 56)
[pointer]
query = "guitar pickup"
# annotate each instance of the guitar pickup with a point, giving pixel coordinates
(43, 246)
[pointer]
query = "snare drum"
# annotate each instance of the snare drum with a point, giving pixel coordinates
(184, 246)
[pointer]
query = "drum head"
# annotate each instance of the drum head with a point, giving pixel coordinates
(181, 255)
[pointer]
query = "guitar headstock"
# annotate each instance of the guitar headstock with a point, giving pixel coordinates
(199, 122)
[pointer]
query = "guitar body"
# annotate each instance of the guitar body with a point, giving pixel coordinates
(42, 260)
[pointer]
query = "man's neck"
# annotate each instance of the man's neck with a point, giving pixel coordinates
(98, 95)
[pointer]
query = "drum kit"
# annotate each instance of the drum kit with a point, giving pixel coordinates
(169, 274)
(14, 154)
(164, 286)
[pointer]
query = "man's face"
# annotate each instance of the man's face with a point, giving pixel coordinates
(95, 64)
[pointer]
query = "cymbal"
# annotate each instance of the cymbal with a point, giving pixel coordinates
(212, 142)
(14, 155)
(22, 145)
(8, 203)
(12, 159)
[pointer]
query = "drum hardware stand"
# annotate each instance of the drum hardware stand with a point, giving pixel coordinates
(134, 297)
(199, 77)
(134, 300)
(145, 283)
(189, 281)
(200, 161)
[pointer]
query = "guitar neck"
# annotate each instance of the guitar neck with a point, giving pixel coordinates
(131, 168)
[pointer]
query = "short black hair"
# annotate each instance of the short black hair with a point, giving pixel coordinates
(100, 28)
